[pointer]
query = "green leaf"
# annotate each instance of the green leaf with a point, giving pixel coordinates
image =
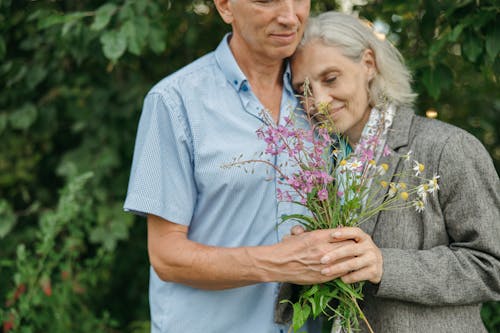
(21, 73)
(7, 217)
(23, 117)
(472, 47)
(310, 291)
(349, 289)
(305, 220)
(3, 122)
(114, 44)
(21, 252)
(306, 311)
(455, 33)
(298, 317)
(493, 42)
(136, 31)
(437, 79)
(437, 46)
(35, 76)
(3, 48)
(67, 27)
(45, 22)
(103, 16)
(157, 40)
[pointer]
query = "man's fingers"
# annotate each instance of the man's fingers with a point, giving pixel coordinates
(297, 230)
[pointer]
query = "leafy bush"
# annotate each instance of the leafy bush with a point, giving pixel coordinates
(72, 78)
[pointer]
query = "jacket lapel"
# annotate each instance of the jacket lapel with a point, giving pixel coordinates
(398, 137)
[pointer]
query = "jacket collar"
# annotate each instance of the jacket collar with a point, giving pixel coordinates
(399, 133)
(397, 137)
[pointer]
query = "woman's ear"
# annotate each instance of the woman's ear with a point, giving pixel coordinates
(224, 7)
(370, 63)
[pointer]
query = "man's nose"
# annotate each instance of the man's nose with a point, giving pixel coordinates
(288, 13)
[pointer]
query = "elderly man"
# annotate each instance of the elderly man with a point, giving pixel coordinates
(213, 234)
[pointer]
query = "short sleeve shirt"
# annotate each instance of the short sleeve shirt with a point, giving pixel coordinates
(193, 123)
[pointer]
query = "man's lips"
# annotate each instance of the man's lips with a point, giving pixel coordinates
(284, 37)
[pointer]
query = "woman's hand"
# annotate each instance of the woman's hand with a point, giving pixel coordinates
(359, 260)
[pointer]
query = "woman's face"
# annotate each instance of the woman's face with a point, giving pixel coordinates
(338, 81)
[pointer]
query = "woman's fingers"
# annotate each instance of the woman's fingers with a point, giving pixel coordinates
(357, 260)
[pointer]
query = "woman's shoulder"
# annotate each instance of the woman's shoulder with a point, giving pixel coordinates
(439, 133)
(443, 141)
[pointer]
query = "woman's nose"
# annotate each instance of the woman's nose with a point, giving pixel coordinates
(321, 96)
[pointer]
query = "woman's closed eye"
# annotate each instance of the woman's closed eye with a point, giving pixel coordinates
(330, 79)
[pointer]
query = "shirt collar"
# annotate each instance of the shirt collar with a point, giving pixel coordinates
(228, 65)
(287, 79)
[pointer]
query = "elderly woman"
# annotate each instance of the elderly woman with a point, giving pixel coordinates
(428, 271)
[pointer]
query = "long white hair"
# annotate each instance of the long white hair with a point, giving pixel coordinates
(352, 37)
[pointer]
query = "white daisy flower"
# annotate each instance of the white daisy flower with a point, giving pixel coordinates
(418, 168)
(422, 191)
(433, 185)
(419, 206)
(392, 190)
(407, 156)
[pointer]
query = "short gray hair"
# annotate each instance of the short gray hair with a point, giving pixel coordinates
(353, 36)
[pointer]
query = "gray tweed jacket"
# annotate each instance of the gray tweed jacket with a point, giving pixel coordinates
(438, 265)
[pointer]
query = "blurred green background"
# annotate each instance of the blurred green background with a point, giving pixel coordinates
(73, 75)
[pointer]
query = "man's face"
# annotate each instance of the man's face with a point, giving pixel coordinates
(267, 29)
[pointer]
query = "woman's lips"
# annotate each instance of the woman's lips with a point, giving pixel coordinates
(334, 111)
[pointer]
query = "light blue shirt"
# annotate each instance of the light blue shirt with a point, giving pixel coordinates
(193, 122)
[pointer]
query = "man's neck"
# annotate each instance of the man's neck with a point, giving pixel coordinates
(264, 75)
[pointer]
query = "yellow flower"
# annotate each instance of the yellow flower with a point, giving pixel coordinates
(323, 108)
(418, 168)
(384, 183)
(343, 163)
(382, 169)
(402, 186)
(404, 195)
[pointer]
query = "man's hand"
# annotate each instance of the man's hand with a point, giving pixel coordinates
(297, 258)
(357, 258)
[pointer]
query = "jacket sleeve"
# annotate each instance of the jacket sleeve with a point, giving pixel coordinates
(467, 269)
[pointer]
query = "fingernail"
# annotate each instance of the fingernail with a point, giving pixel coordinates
(325, 259)
(336, 234)
(325, 271)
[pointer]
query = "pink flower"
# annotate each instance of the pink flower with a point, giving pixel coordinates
(387, 151)
(323, 194)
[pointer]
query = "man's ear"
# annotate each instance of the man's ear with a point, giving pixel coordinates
(224, 7)
(370, 63)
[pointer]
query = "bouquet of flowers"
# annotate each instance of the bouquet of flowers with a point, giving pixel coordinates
(339, 187)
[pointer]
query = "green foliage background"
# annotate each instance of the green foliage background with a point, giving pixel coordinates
(73, 75)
